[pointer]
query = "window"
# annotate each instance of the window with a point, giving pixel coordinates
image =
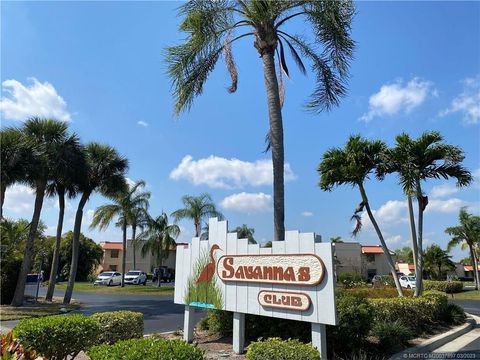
(113, 267)
(114, 254)
(370, 257)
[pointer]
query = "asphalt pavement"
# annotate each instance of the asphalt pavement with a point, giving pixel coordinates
(160, 313)
(470, 306)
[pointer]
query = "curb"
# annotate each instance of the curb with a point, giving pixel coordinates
(437, 341)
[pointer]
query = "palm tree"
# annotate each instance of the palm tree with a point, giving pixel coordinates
(138, 219)
(244, 232)
(352, 165)
(68, 176)
(418, 160)
(46, 137)
(198, 209)
(468, 232)
(123, 206)
(436, 259)
(14, 152)
(159, 237)
(210, 27)
(105, 174)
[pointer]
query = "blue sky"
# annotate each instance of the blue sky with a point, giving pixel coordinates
(99, 65)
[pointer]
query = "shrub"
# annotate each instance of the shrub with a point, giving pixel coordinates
(355, 316)
(8, 279)
(416, 313)
(146, 349)
(454, 314)
(352, 280)
(277, 349)
(59, 336)
(391, 334)
(119, 325)
(217, 322)
(379, 293)
(448, 287)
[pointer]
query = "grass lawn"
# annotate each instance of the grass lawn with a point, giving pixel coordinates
(466, 295)
(35, 309)
(128, 289)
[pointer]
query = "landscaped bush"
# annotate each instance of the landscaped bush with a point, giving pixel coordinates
(146, 349)
(416, 313)
(277, 349)
(391, 334)
(217, 322)
(352, 280)
(59, 336)
(454, 314)
(448, 287)
(378, 293)
(8, 279)
(355, 316)
(119, 325)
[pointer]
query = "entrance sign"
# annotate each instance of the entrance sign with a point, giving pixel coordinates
(288, 269)
(293, 279)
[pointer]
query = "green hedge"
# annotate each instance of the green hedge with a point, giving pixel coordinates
(277, 349)
(351, 280)
(59, 336)
(391, 335)
(146, 349)
(119, 325)
(378, 293)
(416, 313)
(448, 287)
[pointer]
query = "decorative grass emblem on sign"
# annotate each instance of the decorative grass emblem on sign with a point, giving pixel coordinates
(202, 290)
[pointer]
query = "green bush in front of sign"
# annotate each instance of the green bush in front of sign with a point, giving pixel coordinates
(278, 349)
(146, 349)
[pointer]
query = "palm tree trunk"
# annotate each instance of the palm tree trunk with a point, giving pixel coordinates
(198, 227)
(75, 248)
(476, 275)
(382, 241)
(413, 232)
(134, 230)
(276, 142)
(419, 271)
(56, 250)
(3, 189)
(28, 253)
(124, 252)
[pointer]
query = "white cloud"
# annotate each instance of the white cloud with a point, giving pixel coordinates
(467, 103)
(391, 213)
(393, 240)
(19, 199)
(452, 205)
(307, 213)
(248, 202)
(36, 99)
(443, 190)
(218, 172)
(398, 97)
(142, 123)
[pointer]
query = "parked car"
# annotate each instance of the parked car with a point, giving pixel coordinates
(407, 282)
(136, 277)
(109, 278)
(165, 274)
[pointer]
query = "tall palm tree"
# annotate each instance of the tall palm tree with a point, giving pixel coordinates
(123, 207)
(159, 237)
(138, 219)
(198, 209)
(245, 232)
(468, 232)
(14, 152)
(46, 137)
(416, 161)
(352, 165)
(68, 176)
(436, 259)
(105, 174)
(210, 27)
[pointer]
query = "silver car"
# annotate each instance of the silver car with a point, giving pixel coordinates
(136, 277)
(109, 278)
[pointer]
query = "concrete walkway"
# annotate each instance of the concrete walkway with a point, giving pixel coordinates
(467, 342)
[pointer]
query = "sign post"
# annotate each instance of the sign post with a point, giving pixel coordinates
(293, 280)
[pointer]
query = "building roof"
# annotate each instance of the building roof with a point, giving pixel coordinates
(111, 245)
(469, 267)
(372, 249)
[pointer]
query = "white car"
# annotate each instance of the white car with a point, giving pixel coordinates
(136, 277)
(408, 281)
(109, 278)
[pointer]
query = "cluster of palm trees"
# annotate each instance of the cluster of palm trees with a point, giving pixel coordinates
(414, 161)
(44, 155)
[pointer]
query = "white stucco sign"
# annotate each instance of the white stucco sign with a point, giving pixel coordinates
(293, 279)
